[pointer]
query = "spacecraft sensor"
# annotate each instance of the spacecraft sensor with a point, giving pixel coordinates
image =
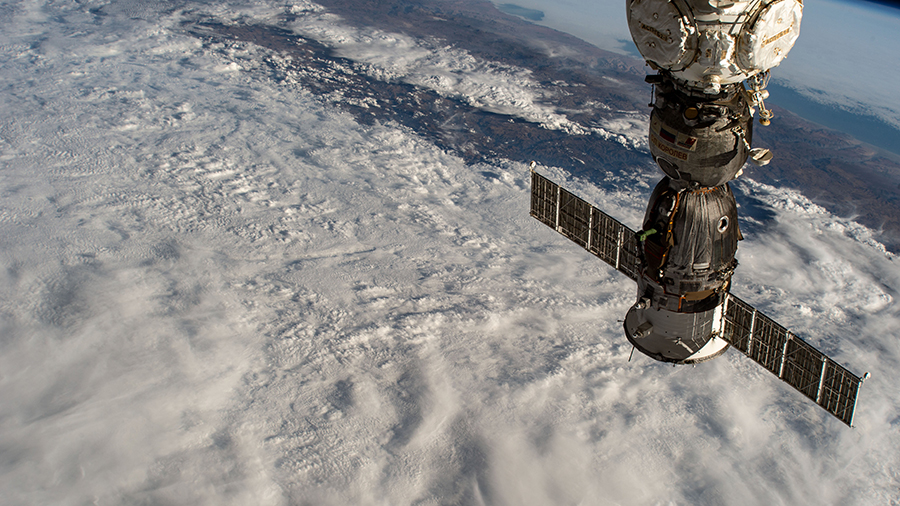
(712, 59)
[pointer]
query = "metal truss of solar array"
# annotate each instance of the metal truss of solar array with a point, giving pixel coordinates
(585, 225)
(754, 334)
(790, 358)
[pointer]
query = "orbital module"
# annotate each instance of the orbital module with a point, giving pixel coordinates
(712, 59)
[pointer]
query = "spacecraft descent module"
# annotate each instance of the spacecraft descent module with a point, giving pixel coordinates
(713, 59)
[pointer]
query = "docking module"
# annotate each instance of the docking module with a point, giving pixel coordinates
(712, 59)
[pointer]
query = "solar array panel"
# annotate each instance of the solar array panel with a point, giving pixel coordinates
(837, 391)
(767, 343)
(574, 218)
(544, 198)
(738, 324)
(585, 225)
(803, 367)
(790, 358)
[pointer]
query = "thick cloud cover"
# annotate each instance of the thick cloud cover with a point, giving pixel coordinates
(217, 289)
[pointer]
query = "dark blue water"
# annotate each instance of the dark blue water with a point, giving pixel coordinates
(868, 129)
(887, 3)
(516, 10)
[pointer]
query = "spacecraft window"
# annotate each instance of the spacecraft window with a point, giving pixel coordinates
(723, 224)
(668, 167)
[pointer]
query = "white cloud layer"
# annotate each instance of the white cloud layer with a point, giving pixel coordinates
(219, 290)
(448, 71)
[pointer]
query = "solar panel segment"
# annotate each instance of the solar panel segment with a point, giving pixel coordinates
(792, 359)
(585, 225)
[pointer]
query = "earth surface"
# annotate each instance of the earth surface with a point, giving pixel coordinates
(280, 253)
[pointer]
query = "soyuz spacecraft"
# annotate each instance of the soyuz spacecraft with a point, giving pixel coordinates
(712, 59)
